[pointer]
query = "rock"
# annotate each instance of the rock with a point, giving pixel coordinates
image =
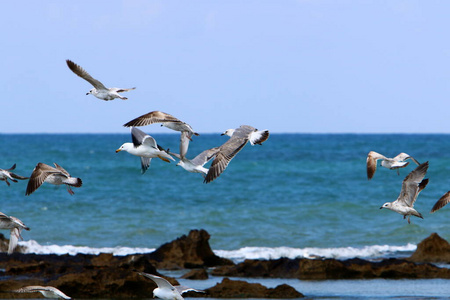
(320, 269)
(433, 249)
(242, 289)
(187, 252)
(199, 274)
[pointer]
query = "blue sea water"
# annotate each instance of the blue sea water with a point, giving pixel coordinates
(296, 195)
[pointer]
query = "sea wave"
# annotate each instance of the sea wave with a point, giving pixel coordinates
(367, 252)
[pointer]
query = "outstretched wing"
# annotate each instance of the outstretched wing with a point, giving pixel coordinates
(85, 75)
(151, 118)
(413, 184)
(443, 201)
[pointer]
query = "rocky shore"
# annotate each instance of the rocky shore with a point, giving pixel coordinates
(108, 276)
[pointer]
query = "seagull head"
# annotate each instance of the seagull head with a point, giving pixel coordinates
(93, 91)
(386, 205)
(228, 132)
(124, 147)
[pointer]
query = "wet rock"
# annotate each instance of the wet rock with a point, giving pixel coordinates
(242, 289)
(198, 274)
(319, 269)
(187, 252)
(433, 249)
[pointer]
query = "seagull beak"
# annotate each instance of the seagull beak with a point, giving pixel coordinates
(222, 134)
(87, 94)
(118, 150)
(381, 207)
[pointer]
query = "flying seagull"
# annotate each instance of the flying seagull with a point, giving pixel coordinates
(15, 226)
(443, 201)
(391, 163)
(196, 164)
(168, 121)
(165, 290)
(57, 176)
(145, 147)
(238, 139)
(6, 174)
(99, 90)
(46, 291)
(411, 187)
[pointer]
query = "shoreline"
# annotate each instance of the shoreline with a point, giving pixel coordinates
(103, 275)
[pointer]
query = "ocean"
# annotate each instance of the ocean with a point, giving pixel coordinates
(297, 195)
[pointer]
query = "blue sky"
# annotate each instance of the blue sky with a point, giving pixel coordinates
(307, 66)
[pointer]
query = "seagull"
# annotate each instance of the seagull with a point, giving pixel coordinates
(444, 200)
(145, 147)
(238, 139)
(47, 291)
(5, 174)
(165, 290)
(16, 226)
(390, 163)
(196, 164)
(45, 173)
(168, 121)
(411, 187)
(99, 90)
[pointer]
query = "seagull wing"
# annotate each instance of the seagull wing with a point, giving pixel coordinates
(205, 156)
(371, 163)
(5, 221)
(413, 184)
(145, 164)
(151, 118)
(13, 239)
(183, 289)
(443, 201)
(40, 173)
(403, 156)
(224, 155)
(85, 75)
(139, 138)
(61, 169)
(184, 143)
(161, 282)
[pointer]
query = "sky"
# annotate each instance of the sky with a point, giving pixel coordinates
(306, 66)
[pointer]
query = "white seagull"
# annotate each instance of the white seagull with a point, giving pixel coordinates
(391, 163)
(46, 291)
(443, 201)
(196, 164)
(238, 139)
(99, 90)
(168, 121)
(411, 187)
(57, 176)
(15, 226)
(165, 290)
(6, 174)
(145, 147)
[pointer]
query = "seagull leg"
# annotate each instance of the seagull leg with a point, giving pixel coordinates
(70, 190)
(164, 159)
(6, 180)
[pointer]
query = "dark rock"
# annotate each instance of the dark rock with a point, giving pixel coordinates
(199, 274)
(318, 269)
(242, 289)
(433, 249)
(188, 252)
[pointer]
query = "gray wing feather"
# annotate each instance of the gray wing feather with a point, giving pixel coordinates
(151, 118)
(85, 75)
(410, 185)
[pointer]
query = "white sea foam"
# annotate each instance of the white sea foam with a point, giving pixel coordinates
(34, 247)
(367, 252)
